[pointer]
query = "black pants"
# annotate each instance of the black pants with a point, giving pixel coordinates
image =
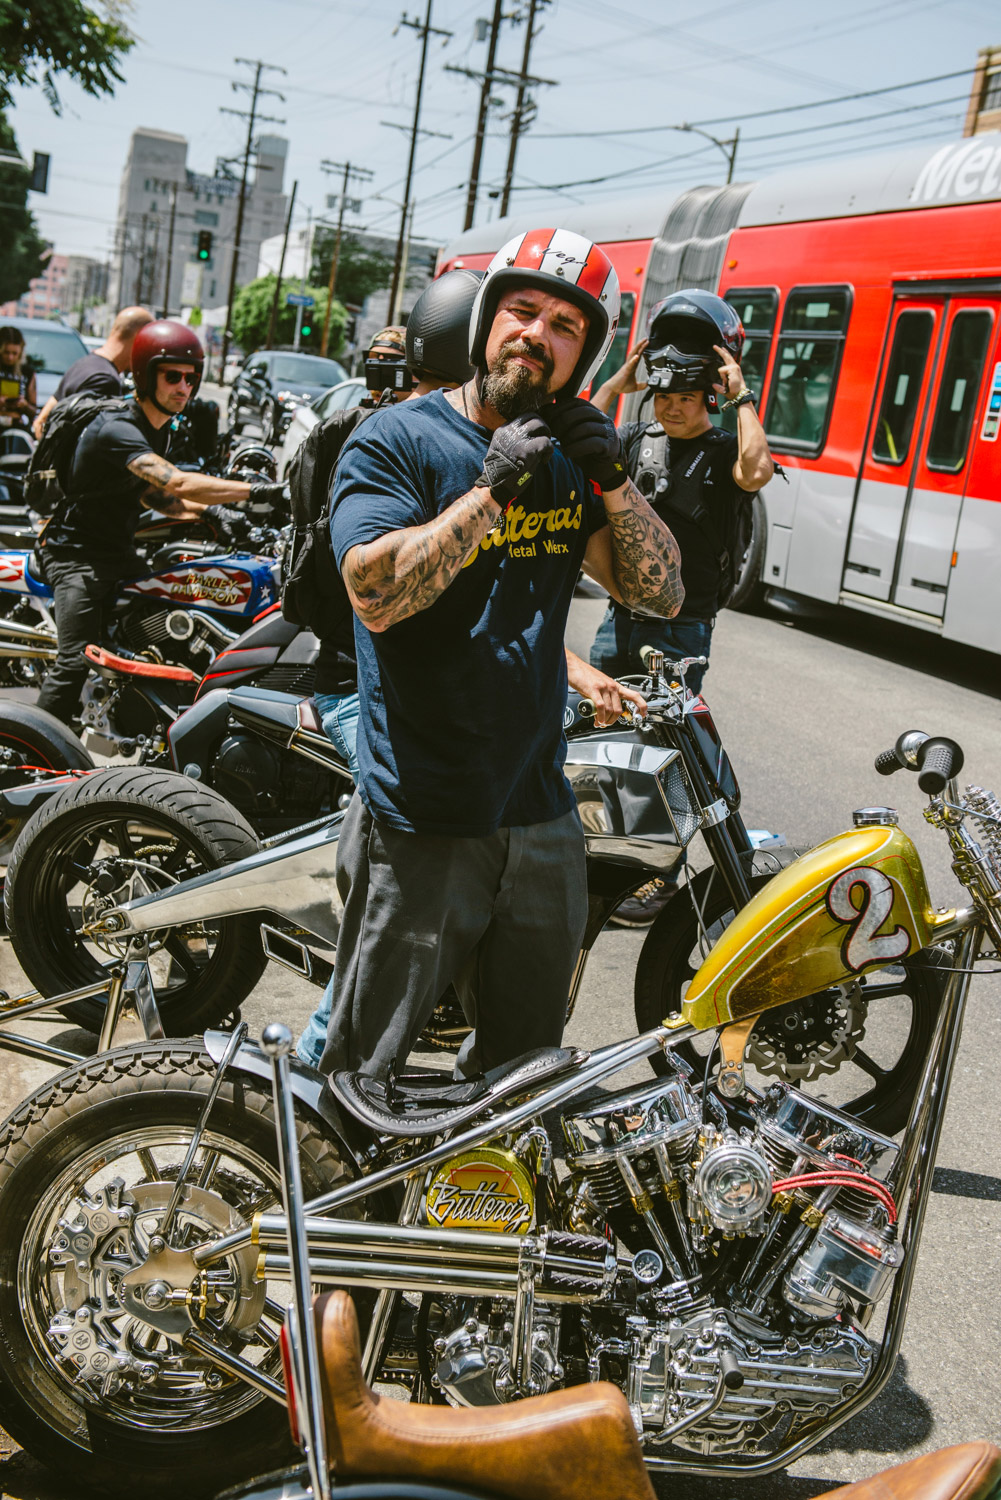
(82, 601)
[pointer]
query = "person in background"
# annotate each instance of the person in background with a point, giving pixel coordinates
(700, 478)
(100, 372)
(18, 397)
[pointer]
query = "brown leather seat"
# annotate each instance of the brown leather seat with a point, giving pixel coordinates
(966, 1472)
(577, 1444)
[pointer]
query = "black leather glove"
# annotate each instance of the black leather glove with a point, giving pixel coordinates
(516, 451)
(589, 437)
(230, 526)
(264, 492)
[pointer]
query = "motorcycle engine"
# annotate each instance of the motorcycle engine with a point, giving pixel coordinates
(173, 635)
(265, 782)
(760, 1237)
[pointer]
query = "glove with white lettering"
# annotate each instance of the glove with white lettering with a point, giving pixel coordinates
(516, 450)
(590, 438)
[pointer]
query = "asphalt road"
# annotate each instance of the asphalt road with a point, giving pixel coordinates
(803, 709)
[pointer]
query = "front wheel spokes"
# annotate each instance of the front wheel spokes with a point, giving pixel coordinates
(868, 1065)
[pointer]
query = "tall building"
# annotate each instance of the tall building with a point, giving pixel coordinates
(984, 109)
(157, 184)
(67, 287)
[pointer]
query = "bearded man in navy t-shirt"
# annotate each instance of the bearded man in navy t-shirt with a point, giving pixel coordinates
(460, 522)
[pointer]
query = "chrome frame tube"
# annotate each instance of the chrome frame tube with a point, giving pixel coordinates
(413, 1276)
(234, 1365)
(235, 1042)
(277, 1042)
(386, 1302)
(924, 1128)
(602, 1064)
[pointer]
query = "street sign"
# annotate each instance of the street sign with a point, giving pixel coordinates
(299, 299)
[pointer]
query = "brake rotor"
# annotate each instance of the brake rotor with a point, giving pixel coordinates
(809, 1037)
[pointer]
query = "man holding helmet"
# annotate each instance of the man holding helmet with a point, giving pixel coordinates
(700, 478)
(460, 522)
(119, 467)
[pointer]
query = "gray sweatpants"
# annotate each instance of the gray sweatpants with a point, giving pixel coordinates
(501, 917)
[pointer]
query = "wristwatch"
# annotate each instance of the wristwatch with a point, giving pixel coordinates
(741, 399)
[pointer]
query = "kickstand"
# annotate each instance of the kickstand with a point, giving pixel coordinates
(132, 987)
(276, 1040)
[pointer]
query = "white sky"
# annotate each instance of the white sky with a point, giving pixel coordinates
(642, 65)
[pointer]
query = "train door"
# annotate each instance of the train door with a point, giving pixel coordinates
(915, 469)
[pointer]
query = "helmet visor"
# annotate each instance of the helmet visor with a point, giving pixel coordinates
(668, 369)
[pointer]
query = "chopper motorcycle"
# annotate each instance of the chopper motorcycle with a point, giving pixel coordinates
(715, 1249)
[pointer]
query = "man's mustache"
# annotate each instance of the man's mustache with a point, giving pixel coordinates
(514, 347)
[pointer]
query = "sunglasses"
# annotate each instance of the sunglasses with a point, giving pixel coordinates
(174, 377)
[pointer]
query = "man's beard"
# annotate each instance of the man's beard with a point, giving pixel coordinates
(513, 389)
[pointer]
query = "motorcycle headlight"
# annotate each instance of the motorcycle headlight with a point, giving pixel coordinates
(734, 1183)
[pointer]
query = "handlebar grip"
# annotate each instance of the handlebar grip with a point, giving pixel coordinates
(887, 763)
(586, 708)
(938, 760)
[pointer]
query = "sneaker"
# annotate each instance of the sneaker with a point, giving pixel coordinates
(644, 905)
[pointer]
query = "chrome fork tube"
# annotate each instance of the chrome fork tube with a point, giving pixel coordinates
(277, 1043)
(387, 1300)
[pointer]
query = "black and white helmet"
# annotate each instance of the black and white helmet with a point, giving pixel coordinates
(438, 327)
(683, 330)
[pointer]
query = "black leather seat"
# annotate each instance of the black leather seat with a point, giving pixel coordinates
(421, 1104)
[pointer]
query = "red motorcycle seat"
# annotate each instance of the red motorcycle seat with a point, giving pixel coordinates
(309, 717)
(103, 658)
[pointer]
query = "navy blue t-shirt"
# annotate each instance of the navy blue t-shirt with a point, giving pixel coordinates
(461, 728)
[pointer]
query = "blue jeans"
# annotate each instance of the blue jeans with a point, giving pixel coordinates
(339, 717)
(617, 645)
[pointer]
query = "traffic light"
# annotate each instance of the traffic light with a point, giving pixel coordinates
(204, 244)
(306, 330)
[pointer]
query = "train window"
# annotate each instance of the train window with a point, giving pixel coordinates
(805, 373)
(904, 373)
(756, 310)
(957, 394)
(616, 356)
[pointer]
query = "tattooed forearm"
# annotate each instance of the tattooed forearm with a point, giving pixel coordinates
(645, 555)
(156, 471)
(404, 572)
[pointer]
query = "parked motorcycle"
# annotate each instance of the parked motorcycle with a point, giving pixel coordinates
(714, 1249)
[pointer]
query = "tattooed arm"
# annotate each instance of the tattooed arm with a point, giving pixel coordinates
(403, 572)
(179, 493)
(636, 557)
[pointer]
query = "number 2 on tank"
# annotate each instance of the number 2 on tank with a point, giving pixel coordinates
(863, 897)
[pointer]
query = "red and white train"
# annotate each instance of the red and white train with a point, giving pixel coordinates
(870, 290)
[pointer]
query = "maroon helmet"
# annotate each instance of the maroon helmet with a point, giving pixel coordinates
(163, 343)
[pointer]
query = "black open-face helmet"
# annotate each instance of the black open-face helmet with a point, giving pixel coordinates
(683, 330)
(438, 327)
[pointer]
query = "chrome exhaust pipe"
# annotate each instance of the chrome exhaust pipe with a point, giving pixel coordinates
(37, 635)
(28, 652)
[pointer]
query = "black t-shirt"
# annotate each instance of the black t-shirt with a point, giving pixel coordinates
(462, 728)
(103, 507)
(720, 491)
(91, 373)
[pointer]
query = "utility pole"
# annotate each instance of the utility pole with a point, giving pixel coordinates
(140, 262)
(170, 249)
(426, 30)
(273, 320)
(251, 116)
(481, 119)
(307, 256)
(524, 105)
(362, 174)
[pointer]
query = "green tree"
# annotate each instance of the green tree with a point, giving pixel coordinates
(359, 271)
(22, 248)
(40, 39)
(252, 315)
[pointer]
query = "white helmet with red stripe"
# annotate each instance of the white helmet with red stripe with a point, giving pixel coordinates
(566, 265)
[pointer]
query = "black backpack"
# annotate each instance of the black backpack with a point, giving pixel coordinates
(47, 476)
(313, 592)
(648, 460)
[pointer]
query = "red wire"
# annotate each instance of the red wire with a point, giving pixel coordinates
(842, 1179)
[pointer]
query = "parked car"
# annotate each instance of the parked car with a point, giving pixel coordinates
(50, 348)
(92, 342)
(340, 397)
(273, 382)
(232, 368)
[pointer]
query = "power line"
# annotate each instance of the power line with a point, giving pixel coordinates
(760, 114)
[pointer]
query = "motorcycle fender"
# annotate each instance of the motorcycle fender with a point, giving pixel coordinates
(191, 737)
(858, 901)
(15, 576)
(308, 1086)
(19, 802)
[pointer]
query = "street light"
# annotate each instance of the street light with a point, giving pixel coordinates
(728, 148)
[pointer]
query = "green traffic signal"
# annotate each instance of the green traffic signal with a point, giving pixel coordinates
(204, 244)
(306, 330)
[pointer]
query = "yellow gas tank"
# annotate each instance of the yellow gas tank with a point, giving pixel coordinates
(857, 901)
